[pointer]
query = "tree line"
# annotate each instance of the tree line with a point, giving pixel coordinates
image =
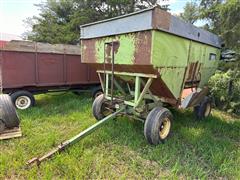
(59, 20)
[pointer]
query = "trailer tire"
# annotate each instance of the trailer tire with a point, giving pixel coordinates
(23, 99)
(158, 124)
(98, 108)
(8, 113)
(96, 92)
(2, 126)
(204, 109)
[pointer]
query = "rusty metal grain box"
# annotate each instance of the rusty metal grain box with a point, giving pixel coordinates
(39, 66)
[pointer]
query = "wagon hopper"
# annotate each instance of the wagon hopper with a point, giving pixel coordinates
(149, 59)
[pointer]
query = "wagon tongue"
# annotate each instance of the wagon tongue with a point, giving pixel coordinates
(74, 139)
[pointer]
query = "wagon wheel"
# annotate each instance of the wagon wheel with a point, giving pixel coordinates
(8, 114)
(99, 107)
(97, 93)
(2, 126)
(158, 124)
(204, 109)
(23, 99)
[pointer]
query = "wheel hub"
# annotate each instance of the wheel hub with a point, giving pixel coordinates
(165, 128)
(23, 102)
(208, 110)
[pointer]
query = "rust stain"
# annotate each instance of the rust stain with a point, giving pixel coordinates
(161, 19)
(89, 53)
(143, 45)
(108, 49)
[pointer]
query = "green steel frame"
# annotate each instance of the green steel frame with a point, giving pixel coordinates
(142, 83)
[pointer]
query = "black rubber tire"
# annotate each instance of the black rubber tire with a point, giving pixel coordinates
(96, 92)
(8, 112)
(200, 111)
(16, 95)
(153, 124)
(98, 107)
(2, 126)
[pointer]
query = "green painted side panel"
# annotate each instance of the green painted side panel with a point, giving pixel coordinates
(125, 52)
(209, 66)
(206, 73)
(207, 61)
(169, 50)
(170, 56)
(197, 52)
(173, 54)
(173, 78)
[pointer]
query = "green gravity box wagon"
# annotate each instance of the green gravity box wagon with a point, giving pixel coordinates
(147, 61)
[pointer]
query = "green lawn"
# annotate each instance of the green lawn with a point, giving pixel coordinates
(206, 149)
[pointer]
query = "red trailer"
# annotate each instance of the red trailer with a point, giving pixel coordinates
(2, 43)
(28, 68)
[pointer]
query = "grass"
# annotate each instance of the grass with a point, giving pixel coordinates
(206, 149)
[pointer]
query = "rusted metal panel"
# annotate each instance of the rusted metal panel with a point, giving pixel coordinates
(134, 48)
(78, 72)
(2, 43)
(142, 54)
(20, 69)
(164, 23)
(50, 68)
(29, 46)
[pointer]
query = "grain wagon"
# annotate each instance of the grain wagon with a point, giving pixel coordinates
(147, 61)
(28, 68)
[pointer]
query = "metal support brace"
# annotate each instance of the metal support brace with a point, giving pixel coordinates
(137, 88)
(145, 89)
(119, 87)
(107, 84)
(154, 98)
(138, 95)
(101, 81)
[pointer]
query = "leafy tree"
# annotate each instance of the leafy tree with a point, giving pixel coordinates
(209, 10)
(59, 20)
(191, 12)
(223, 19)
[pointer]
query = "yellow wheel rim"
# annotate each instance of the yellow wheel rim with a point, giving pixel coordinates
(165, 128)
(208, 110)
